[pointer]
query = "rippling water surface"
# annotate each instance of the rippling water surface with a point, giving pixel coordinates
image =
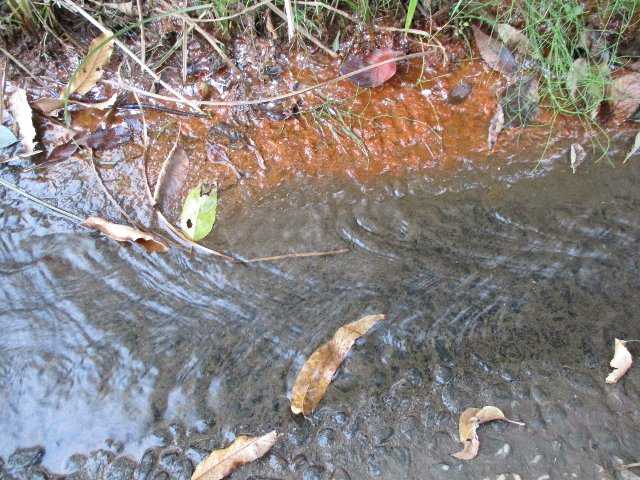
(501, 285)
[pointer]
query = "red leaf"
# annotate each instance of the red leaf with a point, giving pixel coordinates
(376, 76)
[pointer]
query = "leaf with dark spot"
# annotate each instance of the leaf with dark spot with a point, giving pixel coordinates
(494, 53)
(374, 77)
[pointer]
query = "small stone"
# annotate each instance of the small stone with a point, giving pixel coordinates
(460, 92)
(161, 475)
(326, 437)
(299, 462)
(277, 463)
(382, 434)
(24, 458)
(504, 451)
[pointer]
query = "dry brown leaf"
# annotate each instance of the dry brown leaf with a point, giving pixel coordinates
(514, 38)
(494, 53)
(90, 70)
(468, 425)
(172, 177)
(625, 96)
(621, 361)
(577, 156)
(243, 450)
(317, 372)
(495, 127)
(125, 233)
(21, 111)
(49, 105)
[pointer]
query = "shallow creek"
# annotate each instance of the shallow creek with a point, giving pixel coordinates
(503, 285)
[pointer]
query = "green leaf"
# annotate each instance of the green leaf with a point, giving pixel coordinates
(411, 10)
(7, 137)
(199, 212)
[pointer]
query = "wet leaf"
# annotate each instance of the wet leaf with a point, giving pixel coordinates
(7, 138)
(317, 372)
(244, 449)
(468, 425)
(106, 138)
(172, 177)
(376, 76)
(578, 72)
(494, 53)
(199, 212)
(625, 96)
(634, 149)
(90, 70)
(50, 106)
(125, 233)
(621, 361)
(514, 38)
(576, 156)
(62, 152)
(495, 127)
(21, 111)
(520, 102)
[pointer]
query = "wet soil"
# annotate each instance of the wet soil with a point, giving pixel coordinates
(503, 283)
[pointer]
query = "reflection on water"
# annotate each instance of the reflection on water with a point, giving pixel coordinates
(502, 286)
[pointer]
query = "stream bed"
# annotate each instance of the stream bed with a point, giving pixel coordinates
(503, 285)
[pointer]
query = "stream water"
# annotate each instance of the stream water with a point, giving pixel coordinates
(502, 286)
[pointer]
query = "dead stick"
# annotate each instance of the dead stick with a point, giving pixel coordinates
(296, 255)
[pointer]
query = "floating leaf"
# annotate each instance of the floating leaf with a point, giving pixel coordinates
(495, 127)
(7, 138)
(577, 156)
(625, 95)
(199, 212)
(244, 449)
(514, 38)
(317, 372)
(376, 76)
(468, 424)
(21, 111)
(90, 70)
(125, 233)
(621, 361)
(635, 148)
(494, 53)
(172, 177)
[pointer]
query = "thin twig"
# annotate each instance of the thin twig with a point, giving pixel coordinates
(185, 52)
(2, 82)
(143, 44)
(22, 67)
(73, 6)
(106, 190)
(628, 465)
(42, 203)
(291, 28)
(277, 98)
(163, 170)
(296, 255)
(422, 33)
(234, 15)
(303, 31)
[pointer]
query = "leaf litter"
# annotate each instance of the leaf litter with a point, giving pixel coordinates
(244, 449)
(125, 233)
(317, 372)
(23, 115)
(494, 53)
(468, 425)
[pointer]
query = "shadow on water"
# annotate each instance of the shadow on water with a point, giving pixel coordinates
(501, 286)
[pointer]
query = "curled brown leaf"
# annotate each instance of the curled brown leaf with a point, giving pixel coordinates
(90, 70)
(494, 53)
(495, 127)
(621, 361)
(125, 233)
(468, 425)
(625, 96)
(317, 372)
(172, 177)
(21, 111)
(244, 449)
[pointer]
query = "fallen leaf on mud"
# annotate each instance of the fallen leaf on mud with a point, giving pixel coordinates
(7, 138)
(106, 138)
(317, 372)
(50, 106)
(621, 361)
(495, 127)
(494, 53)
(376, 76)
(244, 449)
(62, 152)
(469, 422)
(125, 233)
(90, 70)
(514, 38)
(172, 177)
(199, 212)
(634, 149)
(625, 96)
(578, 72)
(21, 111)
(576, 156)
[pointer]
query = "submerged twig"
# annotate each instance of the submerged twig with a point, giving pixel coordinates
(296, 255)
(258, 101)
